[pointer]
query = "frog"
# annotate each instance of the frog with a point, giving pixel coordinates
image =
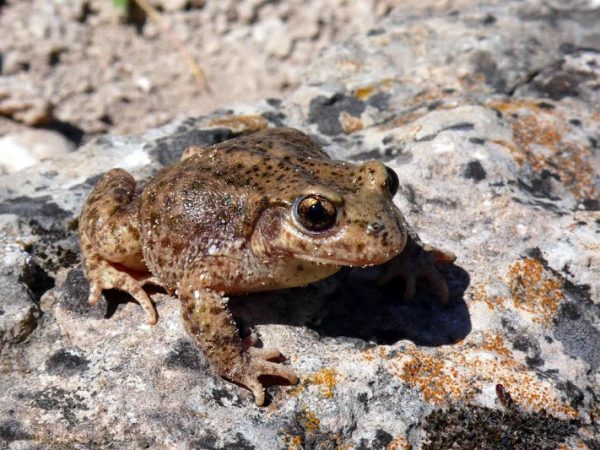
(264, 211)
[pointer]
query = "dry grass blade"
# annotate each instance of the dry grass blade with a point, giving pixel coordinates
(177, 43)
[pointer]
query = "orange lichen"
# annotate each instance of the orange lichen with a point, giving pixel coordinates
(326, 379)
(495, 343)
(541, 140)
(363, 93)
(436, 382)
(309, 420)
(399, 443)
(478, 293)
(462, 372)
(535, 290)
(295, 443)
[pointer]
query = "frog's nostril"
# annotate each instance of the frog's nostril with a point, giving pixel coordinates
(375, 228)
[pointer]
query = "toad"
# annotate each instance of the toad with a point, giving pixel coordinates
(266, 211)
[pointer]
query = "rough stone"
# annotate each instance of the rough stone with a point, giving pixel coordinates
(22, 101)
(488, 113)
(25, 148)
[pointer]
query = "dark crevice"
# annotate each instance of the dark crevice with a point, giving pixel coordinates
(37, 280)
(72, 132)
(528, 79)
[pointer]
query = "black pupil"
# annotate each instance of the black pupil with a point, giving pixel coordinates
(316, 213)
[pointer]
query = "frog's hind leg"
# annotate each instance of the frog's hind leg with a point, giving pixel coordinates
(109, 237)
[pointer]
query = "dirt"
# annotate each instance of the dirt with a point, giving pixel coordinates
(85, 68)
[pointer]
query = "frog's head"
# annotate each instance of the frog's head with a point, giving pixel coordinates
(337, 214)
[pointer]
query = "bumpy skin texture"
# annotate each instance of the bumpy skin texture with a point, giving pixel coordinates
(225, 220)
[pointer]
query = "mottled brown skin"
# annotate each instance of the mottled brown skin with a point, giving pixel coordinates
(221, 221)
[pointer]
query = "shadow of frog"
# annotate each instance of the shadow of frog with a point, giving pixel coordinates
(350, 304)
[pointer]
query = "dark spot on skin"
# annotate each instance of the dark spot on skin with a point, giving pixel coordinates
(67, 362)
(474, 171)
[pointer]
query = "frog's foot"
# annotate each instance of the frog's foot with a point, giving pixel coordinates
(257, 365)
(103, 275)
(419, 262)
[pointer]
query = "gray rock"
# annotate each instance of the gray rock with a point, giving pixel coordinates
(25, 148)
(22, 101)
(489, 116)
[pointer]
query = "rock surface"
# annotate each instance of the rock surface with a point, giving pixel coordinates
(489, 114)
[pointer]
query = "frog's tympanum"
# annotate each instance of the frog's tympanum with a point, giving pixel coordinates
(266, 211)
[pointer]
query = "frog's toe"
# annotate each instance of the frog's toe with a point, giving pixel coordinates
(263, 367)
(95, 292)
(422, 268)
(105, 276)
(438, 283)
(265, 353)
(259, 366)
(258, 390)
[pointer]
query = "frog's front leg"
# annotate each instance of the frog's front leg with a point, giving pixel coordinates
(109, 237)
(208, 321)
(418, 260)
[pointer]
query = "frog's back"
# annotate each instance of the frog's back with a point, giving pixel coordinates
(207, 203)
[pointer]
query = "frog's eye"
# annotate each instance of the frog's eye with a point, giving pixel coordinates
(315, 213)
(391, 183)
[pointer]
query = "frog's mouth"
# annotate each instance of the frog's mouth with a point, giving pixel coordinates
(332, 261)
